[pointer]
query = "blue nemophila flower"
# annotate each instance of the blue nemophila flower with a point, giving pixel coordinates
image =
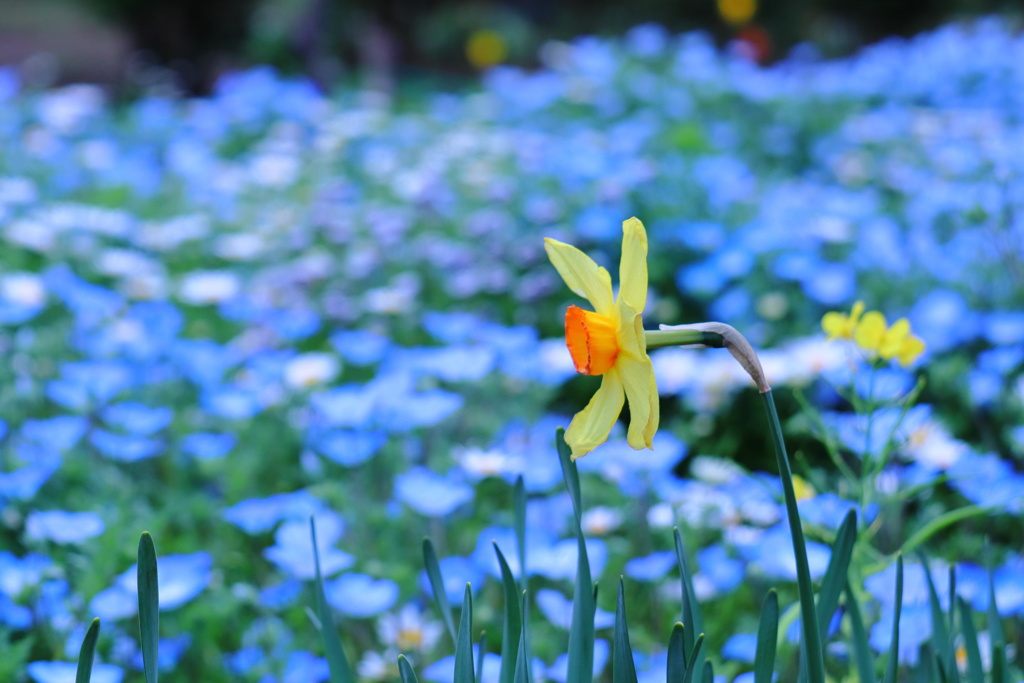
(617, 462)
(828, 510)
(230, 402)
(740, 647)
(204, 361)
(23, 483)
(61, 433)
(259, 515)
(457, 571)
(559, 670)
(293, 547)
(208, 445)
(557, 609)
(85, 383)
(431, 494)
(360, 347)
(280, 595)
(443, 670)
(762, 552)
(349, 447)
(137, 418)
(305, 667)
(350, 405)
(169, 653)
(125, 447)
(361, 596)
(181, 578)
(987, 479)
(13, 615)
(449, 363)
(63, 527)
(64, 672)
(717, 572)
(651, 567)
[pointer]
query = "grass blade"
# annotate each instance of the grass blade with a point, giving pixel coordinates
(149, 607)
(995, 631)
(87, 653)
(464, 642)
(405, 670)
(835, 574)
(691, 610)
(767, 636)
(863, 656)
(709, 672)
(337, 663)
(941, 643)
(894, 646)
(623, 667)
(808, 615)
(519, 510)
(511, 624)
(975, 672)
(481, 649)
(676, 668)
(437, 586)
(581, 629)
(692, 662)
(522, 671)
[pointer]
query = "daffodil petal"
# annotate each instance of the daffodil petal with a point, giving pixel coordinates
(591, 426)
(631, 332)
(583, 276)
(637, 379)
(655, 418)
(633, 265)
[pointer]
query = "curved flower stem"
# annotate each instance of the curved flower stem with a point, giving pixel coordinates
(808, 616)
(720, 335)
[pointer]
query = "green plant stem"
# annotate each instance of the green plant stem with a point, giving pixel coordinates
(808, 617)
(657, 339)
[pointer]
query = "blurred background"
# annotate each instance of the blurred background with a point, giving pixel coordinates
(183, 45)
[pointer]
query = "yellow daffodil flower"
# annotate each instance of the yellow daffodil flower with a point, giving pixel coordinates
(609, 341)
(841, 326)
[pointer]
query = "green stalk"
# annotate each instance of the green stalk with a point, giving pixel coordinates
(808, 617)
(657, 339)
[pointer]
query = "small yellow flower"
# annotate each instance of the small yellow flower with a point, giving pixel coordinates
(485, 48)
(609, 341)
(873, 334)
(737, 12)
(841, 326)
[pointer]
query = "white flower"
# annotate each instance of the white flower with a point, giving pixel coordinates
(310, 369)
(601, 520)
(204, 287)
(26, 289)
(408, 630)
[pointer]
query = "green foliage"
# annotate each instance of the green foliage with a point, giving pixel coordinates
(87, 653)
(149, 607)
(340, 670)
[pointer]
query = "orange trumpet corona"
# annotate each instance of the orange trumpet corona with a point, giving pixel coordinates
(592, 341)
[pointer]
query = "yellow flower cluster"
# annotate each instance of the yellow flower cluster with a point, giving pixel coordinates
(873, 334)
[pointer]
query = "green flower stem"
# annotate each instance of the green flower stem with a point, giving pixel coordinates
(808, 617)
(657, 339)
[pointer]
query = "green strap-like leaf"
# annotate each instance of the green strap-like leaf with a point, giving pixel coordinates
(894, 646)
(511, 625)
(863, 655)
(519, 510)
(437, 586)
(337, 663)
(676, 667)
(693, 662)
(464, 641)
(581, 629)
(691, 610)
(569, 472)
(405, 670)
(709, 672)
(835, 574)
(941, 643)
(995, 625)
(808, 615)
(975, 673)
(87, 653)
(481, 649)
(522, 671)
(149, 607)
(767, 635)
(623, 668)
